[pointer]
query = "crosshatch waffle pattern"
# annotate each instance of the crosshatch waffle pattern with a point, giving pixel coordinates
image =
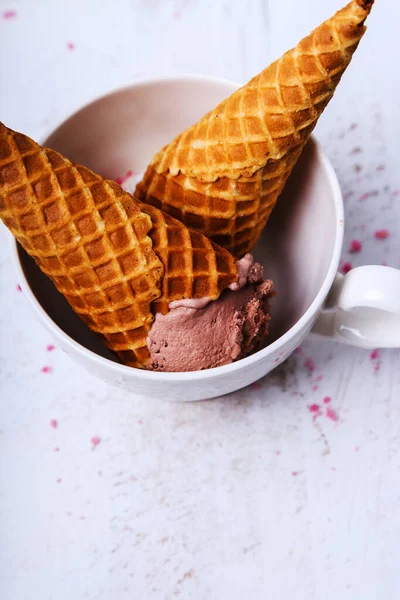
(116, 262)
(236, 210)
(86, 234)
(223, 175)
(194, 266)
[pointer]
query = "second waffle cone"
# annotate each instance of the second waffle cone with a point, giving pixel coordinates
(223, 175)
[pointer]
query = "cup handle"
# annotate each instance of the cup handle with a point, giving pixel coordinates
(363, 308)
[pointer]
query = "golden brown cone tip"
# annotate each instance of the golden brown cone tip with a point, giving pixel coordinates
(116, 262)
(210, 148)
(223, 175)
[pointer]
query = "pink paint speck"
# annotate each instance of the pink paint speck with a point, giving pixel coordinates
(346, 267)
(327, 400)
(319, 378)
(121, 180)
(59, 480)
(395, 193)
(356, 150)
(56, 449)
(140, 422)
(255, 386)
(374, 354)
(295, 473)
(315, 410)
(364, 196)
(68, 513)
(176, 15)
(357, 168)
(7, 15)
(331, 414)
(277, 452)
(355, 246)
(353, 126)
(46, 370)
(95, 441)
(71, 46)
(380, 168)
(299, 350)
(375, 359)
(315, 388)
(332, 468)
(50, 347)
(82, 517)
(19, 288)
(310, 365)
(54, 423)
(356, 448)
(381, 234)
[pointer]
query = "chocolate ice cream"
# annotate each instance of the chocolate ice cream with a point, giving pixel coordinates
(200, 334)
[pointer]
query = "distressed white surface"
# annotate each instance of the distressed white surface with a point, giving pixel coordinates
(201, 501)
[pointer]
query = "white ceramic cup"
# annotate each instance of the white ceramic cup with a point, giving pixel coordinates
(300, 247)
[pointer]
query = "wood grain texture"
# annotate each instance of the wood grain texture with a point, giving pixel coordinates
(252, 495)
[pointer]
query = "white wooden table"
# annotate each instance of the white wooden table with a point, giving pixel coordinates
(105, 496)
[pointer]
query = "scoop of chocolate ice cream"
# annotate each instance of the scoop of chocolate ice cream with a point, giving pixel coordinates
(200, 334)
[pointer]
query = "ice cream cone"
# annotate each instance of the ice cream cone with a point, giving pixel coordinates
(115, 261)
(223, 175)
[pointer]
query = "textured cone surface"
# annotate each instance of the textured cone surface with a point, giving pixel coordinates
(223, 175)
(194, 266)
(95, 242)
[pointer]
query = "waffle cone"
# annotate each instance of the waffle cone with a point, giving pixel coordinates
(116, 262)
(223, 175)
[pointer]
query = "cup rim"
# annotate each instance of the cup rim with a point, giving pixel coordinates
(137, 82)
(215, 372)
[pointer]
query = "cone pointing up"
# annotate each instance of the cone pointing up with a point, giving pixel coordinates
(223, 175)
